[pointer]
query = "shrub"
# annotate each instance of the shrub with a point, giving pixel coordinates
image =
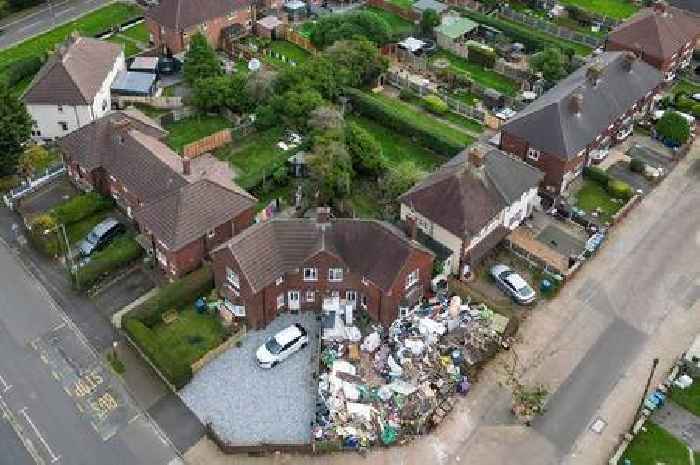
(176, 371)
(175, 294)
(481, 56)
(22, 69)
(81, 207)
(48, 244)
(597, 174)
(673, 128)
(637, 165)
(435, 104)
(8, 183)
(620, 189)
(122, 251)
(406, 94)
(393, 119)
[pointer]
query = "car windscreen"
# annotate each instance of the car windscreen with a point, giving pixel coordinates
(273, 346)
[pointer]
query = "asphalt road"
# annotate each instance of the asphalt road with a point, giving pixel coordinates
(62, 401)
(44, 18)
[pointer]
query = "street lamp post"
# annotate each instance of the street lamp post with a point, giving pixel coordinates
(61, 233)
(654, 364)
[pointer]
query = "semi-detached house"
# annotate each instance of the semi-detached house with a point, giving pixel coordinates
(592, 109)
(470, 204)
(184, 208)
(72, 89)
(286, 265)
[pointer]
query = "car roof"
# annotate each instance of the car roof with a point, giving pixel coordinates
(288, 334)
(516, 280)
(105, 226)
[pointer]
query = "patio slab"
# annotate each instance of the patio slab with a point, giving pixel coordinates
(562, 241)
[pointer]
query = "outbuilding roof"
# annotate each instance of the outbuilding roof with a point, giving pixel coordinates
(455, 27)
(422, 5)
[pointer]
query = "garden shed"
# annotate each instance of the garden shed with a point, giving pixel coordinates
(422, 5)
(132, 83)
(454, 29)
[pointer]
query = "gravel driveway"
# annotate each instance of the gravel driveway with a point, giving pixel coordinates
(248, 405)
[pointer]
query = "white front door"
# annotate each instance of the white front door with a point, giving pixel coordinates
(351, 297)
(293, 298)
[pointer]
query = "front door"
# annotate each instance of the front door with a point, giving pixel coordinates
(293, 299)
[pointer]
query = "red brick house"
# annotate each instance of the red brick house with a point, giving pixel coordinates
(172, 23)
(662, 36)
(294, 264)
(573, 123)
(183, 208)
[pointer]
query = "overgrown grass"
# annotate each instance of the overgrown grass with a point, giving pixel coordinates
(291, 51)
(88, 25)
(655, 446)
(617, 9)
(685, 86)
(480, 75)
(138, 32)
(402, 3)
(364, 199)
(255, 156)
(397, 24)
(467, 123)
(592, 195)
(688, 398)
(397, 148)
(150, 111)
(191, 129)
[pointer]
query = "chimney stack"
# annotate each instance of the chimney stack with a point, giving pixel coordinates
(475, 157)
(593, 73)
(576, 102)
(323, 215)
(186, 166)
(411, 227)
(628, 60)
(120, 128)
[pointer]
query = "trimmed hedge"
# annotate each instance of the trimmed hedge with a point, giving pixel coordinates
(81, 207)
(176, 371)
(435, 104)
(122, 251)
(481, 56)
(620, 189)
(393, 119)
(173, 295)
(23, 69)
(597, 174)
(637, 166)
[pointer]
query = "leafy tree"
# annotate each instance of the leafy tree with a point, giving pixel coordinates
(332, 28)
(213, 94)
(366, 153)
(673, 128)
(355, 62)
(294, 106)
(325, 118)
(201, 60)
(34, 159)
(402, 177)
(330, 166)
(550, 62)
(428, 21)
(15, 130)
(260, 86)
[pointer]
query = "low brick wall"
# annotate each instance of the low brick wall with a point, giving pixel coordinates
(220, 349)
(207, 144)
(255, 449)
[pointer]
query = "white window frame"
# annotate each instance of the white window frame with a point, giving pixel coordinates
(365, 281)
(312, 274)
(211, 234)
(310, 296)
(533, 154)
(335, 274)
(280, 300)
(335, 293)
(412, 278)
(351, 295)
(232, 278)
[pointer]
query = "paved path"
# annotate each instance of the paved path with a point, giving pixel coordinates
(681, 423)
(592, 346)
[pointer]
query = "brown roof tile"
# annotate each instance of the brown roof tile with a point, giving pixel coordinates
(180, 15)
(74, 74)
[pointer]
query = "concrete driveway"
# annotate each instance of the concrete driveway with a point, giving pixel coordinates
(248, 405)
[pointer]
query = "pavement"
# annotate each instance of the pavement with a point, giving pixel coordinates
(250, 405)
(18, 28)
(592, 346)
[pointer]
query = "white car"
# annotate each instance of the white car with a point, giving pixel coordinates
(281, 345)
(513, 284)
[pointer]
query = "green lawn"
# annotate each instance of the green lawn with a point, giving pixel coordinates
(481, 75)
(130, 48)
(88, 25)
(421, 118)
(592, 195)
(468, 123)
(617, 9)
(656, 446)
(563, 21)
(686, 87)
(465, 97)
(364, 199)
(402, 3)
(138, 32)
(396, 147)
(396, 23)
(191, 336)
(305, 29)
(194, 128)
(688, 398)
(289, 50)
(254, 156)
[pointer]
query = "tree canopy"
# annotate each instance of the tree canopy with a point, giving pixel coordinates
(429, 20)
(218, 92)
(365, 151)
(673, 127)
(200, 60)
(550, 62)
(331, 166)
(355, 62)
(34, 159)
(15, 130)
(331, 28)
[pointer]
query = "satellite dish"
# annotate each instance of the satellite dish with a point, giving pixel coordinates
(254, 64)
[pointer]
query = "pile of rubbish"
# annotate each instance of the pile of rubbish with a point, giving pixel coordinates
(387, 386)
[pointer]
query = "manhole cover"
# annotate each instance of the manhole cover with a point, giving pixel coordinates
(598, 425)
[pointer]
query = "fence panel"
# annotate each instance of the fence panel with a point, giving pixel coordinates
(157, 102)
(549, 27)
(207, 144)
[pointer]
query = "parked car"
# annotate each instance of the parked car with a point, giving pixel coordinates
(281, 345)
(513, 284)
(100, 236)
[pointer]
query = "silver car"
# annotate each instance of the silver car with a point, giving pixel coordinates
(513, 284)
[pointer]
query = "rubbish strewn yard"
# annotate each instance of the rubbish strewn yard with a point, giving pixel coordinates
(248, 405)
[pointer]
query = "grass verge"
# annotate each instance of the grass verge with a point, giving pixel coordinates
(192, 129)
(655, 446)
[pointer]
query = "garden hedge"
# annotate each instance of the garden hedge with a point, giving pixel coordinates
(392, 119)
(176, 371)
(122, 251)
(620, 189)
(22, 69)
(81, 207)
(435, 104)
(174, 295)
(637, 166)
(481, 56)
(596, 174)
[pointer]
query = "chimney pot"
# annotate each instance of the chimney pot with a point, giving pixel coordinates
(186, 166)
(323, 215)
(576, 103)
(475, 157)
(628, 60)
